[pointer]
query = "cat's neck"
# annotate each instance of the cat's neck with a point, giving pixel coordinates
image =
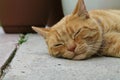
(107, 20)
(104, 26)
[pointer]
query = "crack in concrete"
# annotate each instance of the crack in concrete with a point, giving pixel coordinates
(5, 66)
(22, 39)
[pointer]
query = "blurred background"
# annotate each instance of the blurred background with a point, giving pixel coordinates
(17, 16)
(69, 5)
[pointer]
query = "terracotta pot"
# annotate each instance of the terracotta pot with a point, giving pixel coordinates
(17, 16)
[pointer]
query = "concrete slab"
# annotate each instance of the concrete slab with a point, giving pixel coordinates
(7, 45)
(1, 30)
(32, 62)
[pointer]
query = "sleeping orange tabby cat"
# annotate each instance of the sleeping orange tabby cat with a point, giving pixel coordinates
(83, 34)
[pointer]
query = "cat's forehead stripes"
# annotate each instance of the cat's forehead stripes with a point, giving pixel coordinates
(63, 33)
(69, 30)
(57, 35)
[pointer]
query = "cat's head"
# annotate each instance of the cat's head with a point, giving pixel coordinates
(76, 36)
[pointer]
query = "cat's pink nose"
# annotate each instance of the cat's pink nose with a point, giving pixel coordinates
(72, 48)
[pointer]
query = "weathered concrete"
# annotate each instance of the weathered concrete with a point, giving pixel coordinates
(32, 62)
(7, 45)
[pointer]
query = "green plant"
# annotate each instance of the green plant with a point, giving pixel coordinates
(22, 39)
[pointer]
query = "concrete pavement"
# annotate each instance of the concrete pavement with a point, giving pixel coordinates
(7, 46)
(32, 62)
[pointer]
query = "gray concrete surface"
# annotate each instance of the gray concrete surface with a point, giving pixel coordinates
(1, 30)
(7, 45)
(32, 62)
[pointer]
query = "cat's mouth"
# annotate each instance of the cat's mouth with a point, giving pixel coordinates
(72, 55)
(79, 55)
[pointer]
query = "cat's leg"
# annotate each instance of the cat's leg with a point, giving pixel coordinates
(111, 44)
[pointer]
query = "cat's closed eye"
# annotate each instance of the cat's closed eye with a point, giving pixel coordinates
(76, 34)
(59, 44)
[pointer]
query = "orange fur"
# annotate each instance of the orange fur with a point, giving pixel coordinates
(82, 34)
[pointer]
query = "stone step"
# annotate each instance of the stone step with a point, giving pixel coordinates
(32, 62)
(7, 45)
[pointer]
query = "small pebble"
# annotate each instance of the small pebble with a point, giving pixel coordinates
(59, 64)
(22, 71)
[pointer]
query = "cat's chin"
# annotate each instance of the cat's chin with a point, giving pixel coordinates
(68, 55)
(81, 57)
(74, 56)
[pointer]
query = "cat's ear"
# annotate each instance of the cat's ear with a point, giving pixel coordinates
(42, 31)
(81, 10)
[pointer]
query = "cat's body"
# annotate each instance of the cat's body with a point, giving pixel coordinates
(83, 34)
(109, 19)
(110, 23)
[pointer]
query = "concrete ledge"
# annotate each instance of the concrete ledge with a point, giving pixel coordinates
(32, 62)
